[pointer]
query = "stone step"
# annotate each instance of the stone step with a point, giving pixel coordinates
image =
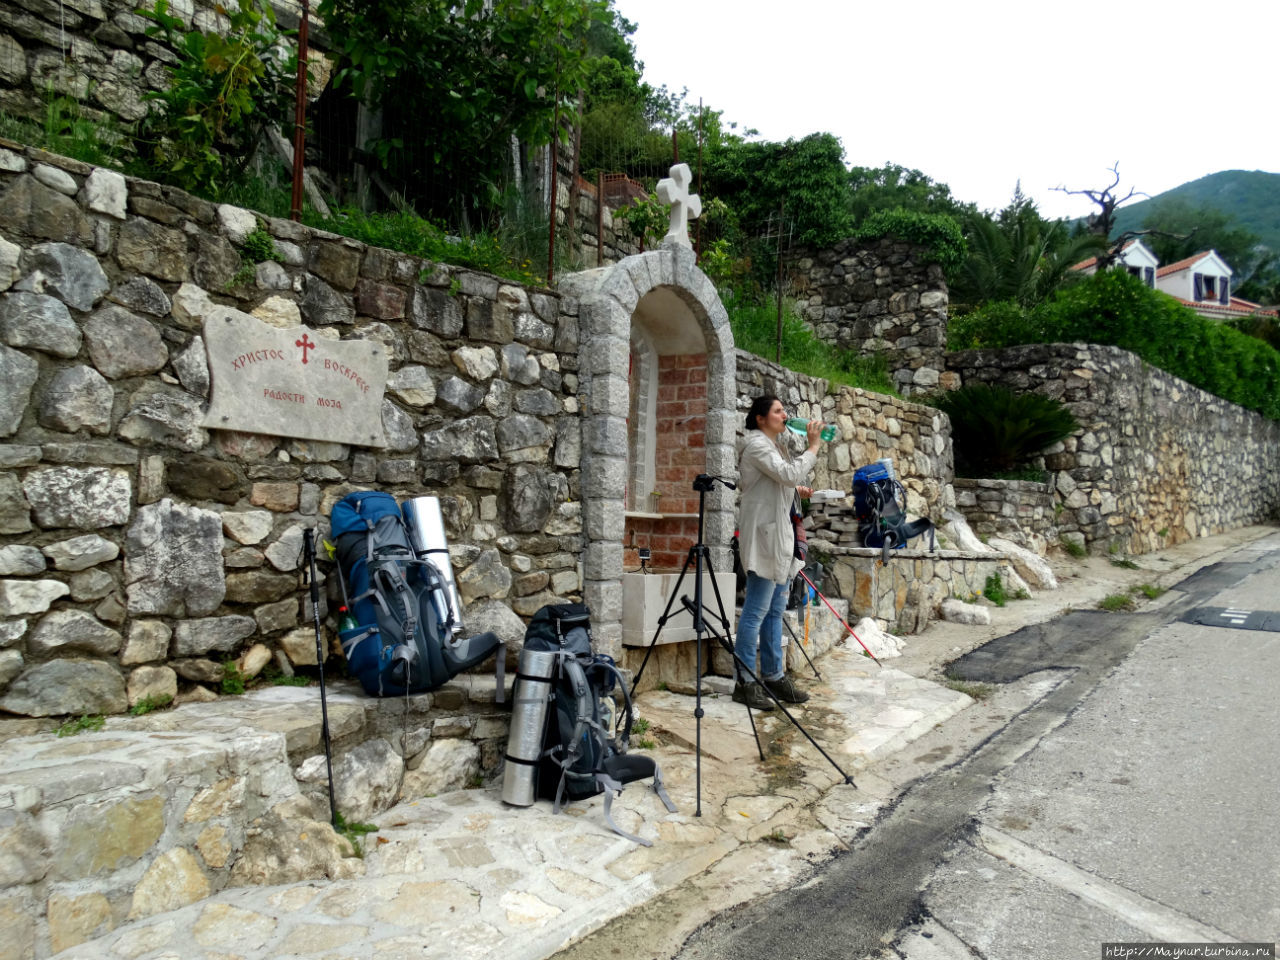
(151, 813)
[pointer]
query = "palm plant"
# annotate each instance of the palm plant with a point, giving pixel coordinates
(994, 429)
(1018, 256)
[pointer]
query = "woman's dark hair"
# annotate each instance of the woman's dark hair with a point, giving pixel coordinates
(760, 407)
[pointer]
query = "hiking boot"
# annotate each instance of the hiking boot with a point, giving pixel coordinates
(785, 689)
(753, 695)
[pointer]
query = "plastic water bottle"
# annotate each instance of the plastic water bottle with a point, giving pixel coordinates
(345, 620)
(801, 426)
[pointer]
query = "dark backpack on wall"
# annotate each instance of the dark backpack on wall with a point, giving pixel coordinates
(581, 755)
(404, 639)
(879, 503)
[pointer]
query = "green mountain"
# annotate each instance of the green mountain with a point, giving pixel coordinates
(1251, 197)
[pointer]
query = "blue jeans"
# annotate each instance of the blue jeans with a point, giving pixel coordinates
(761, 622)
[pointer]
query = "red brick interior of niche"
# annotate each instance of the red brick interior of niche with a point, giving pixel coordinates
(681, 454)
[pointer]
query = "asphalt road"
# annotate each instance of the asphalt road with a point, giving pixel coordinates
(1136, 801)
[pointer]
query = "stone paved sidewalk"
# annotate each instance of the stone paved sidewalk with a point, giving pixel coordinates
(463, 875)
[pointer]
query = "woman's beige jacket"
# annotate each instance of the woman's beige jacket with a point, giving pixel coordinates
(767, 484)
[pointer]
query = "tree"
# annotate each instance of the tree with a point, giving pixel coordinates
(1102, 223)
(1018, 256)
(894, 187)
(804, 178)
(455, 82)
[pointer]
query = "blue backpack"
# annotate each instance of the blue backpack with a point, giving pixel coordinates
(403, 641)
(879, 503)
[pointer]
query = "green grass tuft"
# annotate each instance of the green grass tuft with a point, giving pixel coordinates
(148, 704)
(354, 832)
(978, 691)
(233, 681)
(1076, 550)
(92, 721)
(1116, 602)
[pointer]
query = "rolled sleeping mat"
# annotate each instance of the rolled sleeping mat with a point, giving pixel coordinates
(528, 718)
(427, 536)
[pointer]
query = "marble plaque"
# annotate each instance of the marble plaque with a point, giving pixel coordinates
(291, 383)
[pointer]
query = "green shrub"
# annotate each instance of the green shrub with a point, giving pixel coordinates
(994, 590)
(407, 232)
(1001, 323)
(223, 90)
(970, 688)
(994, 428)
(1117, 309)
(354, 832)
(755, 329)
(940, 235)
(259, 247)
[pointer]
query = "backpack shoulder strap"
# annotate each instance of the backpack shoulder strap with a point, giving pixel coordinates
(584, 724)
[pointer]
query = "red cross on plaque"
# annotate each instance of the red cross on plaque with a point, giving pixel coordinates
(306, 345)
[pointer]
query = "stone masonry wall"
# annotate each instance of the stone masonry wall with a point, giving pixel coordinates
(871, 426)
(138, 550)
(1019, 510)
(879, 296)
(1156, 462)
(98, 53)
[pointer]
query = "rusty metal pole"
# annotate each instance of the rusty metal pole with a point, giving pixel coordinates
(697, 224)
(551, 239)
(600, 218)
(781, 209)
(300, 115)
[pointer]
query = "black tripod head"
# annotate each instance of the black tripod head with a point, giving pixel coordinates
(703, 482)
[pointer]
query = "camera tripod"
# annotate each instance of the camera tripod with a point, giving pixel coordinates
(699, 558)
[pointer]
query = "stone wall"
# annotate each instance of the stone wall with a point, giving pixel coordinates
(598, 236)
(98, 53)
(907, 592)
(139, 550)
(1156, 461)
(1019, 510)
(882, 296)
(871, 426)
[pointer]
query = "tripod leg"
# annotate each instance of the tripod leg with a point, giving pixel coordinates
(723, 640)
(785, 712)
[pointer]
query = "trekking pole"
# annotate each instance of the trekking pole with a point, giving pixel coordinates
(841, 619)
(800, 646)
(308, 545)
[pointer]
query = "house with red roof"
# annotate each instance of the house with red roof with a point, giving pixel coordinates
(1134, 257)
(1203, 282)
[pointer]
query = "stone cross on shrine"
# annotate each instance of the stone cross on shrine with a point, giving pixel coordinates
(685, 206)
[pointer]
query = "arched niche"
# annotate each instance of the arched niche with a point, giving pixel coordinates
(657, 386)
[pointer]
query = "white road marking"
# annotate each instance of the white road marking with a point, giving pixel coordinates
(1155, 919)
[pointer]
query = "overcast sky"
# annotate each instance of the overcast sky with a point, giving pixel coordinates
(981, 94)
